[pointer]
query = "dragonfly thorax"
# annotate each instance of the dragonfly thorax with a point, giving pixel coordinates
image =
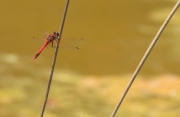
(53, 36)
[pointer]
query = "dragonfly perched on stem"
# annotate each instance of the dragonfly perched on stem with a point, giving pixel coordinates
(50, 38)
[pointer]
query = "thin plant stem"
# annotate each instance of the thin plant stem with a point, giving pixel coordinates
(145, 57)
(54, 59)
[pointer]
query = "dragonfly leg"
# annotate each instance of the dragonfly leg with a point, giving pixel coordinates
(56, 40)
(56, 43)
(52, 44)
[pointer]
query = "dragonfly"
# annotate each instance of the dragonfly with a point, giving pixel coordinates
(50, 38)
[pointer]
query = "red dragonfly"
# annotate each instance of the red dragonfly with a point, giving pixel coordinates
(50, 38)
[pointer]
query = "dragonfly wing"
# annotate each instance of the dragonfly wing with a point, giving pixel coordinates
(36, 39)
(69, 47)
(72, 41)
(44, 34)
(41, 40)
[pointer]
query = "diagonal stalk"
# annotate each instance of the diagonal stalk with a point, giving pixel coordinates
(54, 59)
(145, 57)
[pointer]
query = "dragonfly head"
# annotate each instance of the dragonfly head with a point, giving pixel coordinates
(56, 34)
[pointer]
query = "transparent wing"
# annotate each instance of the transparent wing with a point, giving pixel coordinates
(72, 41)
(37, 40)
(43, 39)
(69, 47)
(44, 34)
(65, 43)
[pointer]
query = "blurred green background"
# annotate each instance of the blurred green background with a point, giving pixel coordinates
(89, 82)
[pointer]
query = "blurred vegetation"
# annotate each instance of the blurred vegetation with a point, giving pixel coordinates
(75, 95)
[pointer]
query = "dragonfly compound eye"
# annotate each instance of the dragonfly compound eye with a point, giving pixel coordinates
(57, 34)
